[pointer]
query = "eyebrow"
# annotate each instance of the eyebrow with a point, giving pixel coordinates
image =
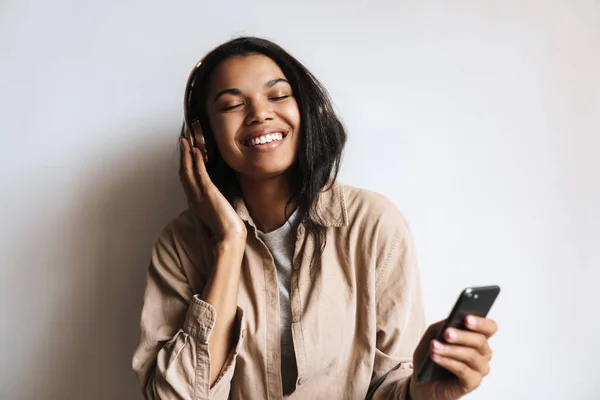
(274, 82)
(236, 91)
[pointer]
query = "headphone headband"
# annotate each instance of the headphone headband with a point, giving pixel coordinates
(188, 91)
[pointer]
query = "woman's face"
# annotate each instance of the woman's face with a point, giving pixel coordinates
(254, 116)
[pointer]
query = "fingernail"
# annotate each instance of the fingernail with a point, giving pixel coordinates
(437, 345)
(451, 334)
(471, 320)
(436, 357)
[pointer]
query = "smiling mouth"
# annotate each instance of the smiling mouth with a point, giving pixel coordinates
(264, 139)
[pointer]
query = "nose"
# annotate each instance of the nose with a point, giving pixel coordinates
(259, 112)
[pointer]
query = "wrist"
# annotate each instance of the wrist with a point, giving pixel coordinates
(234, 238)
(232, 247)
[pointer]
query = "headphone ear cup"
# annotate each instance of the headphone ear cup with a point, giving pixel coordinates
(198, 138)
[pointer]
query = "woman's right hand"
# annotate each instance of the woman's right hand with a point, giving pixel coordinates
(205, 200)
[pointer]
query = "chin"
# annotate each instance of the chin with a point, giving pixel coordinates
(267, 171)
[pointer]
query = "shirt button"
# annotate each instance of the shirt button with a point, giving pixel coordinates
(301, 381)
(296, 318)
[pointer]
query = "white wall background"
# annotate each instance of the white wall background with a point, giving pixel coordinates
(480, 119)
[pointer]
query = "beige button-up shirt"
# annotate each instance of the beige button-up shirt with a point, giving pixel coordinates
(355, 322)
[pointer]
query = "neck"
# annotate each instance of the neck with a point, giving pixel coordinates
(266, 200)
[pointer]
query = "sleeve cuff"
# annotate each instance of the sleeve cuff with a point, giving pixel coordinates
(200, 320)
(226, 374)
(199, 323)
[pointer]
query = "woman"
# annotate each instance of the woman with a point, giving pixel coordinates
(278, 280)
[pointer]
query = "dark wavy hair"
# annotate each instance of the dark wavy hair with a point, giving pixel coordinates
(322, 134)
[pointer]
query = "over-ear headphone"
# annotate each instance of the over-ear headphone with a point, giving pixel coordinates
(192, 129)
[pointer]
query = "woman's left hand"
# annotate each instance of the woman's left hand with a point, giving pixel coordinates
(466, 354)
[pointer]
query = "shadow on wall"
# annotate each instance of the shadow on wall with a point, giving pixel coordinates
(117, 215)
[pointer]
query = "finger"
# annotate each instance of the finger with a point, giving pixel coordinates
(200, 170)
(182, 162)
(474, 340)
(186, 170)
(467, 355)
(485, 326)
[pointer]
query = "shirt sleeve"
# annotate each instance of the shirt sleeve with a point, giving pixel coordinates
(400, 316)
(172, 359)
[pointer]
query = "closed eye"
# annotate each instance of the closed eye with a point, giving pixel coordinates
(232, 107)
(279, 98)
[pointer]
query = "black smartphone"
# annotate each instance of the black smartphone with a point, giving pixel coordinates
(472, 301)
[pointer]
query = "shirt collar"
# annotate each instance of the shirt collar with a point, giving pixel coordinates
(330, 206)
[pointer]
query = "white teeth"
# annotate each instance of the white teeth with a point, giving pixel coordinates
(265, 139)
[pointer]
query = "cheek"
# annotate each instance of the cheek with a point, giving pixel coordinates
(292, 114)
(224, 130)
